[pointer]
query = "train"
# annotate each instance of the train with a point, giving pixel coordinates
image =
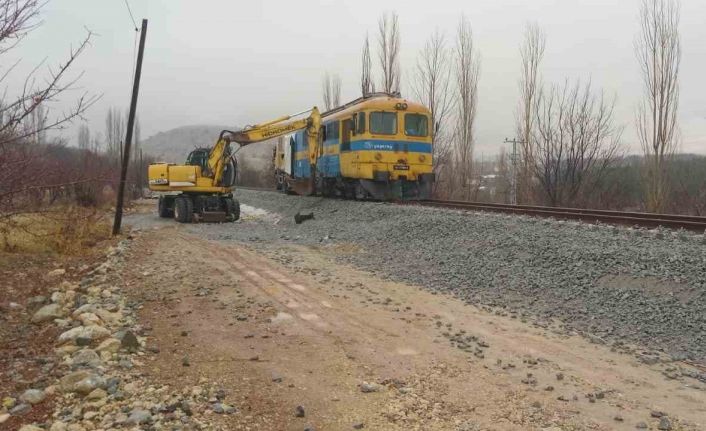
(377, 147)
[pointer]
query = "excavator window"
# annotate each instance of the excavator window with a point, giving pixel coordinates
(198, 157)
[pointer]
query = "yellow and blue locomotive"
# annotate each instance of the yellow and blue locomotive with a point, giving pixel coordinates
(376, 147)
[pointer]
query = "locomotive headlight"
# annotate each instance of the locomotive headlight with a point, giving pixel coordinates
(422, 158)
(378, 156)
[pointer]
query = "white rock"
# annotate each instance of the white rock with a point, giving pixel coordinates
(109, 345)
(4, 417)
(108, 317)
(33, 396)
(88, 319)
(48, 312)
(56, 272)
(67, 285)
(93, 332)
(57, 297)
(82, 382)
(30, 428)
(86, 357)
(58, 426)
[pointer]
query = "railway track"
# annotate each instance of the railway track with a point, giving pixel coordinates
(693, 223)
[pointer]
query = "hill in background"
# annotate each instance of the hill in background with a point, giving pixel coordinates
(174, 145)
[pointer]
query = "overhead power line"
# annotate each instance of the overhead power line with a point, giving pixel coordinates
(132, 18)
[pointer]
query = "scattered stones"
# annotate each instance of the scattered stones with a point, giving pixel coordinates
(641, 425)
(358, 426)
(519, 266)
(299, 412)
(185, 361)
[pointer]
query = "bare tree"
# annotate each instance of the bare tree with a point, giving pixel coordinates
(531, 53)
(367, 86)
(658, 50)
(576, 141)
(84, 137)
(114, 133)
(467, 71)
(432, 87)
(25, 118)
(326, 91)
(336, 91)
(331, 90)
(389, 51)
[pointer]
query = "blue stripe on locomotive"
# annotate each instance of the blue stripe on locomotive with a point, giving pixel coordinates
(329, 165)
(382, 145)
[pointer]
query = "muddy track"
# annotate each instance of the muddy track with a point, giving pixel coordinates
(283, 327)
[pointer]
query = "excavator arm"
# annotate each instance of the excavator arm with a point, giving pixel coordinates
(220, 153)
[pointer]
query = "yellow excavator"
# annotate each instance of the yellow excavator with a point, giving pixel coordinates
(202, 188)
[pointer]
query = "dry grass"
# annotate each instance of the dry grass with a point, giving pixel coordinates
(68, 230)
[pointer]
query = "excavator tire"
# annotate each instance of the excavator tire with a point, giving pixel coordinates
(232, 209)
(183, 209)
(163, 208)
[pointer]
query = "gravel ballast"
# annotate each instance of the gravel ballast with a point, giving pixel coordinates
(613, 284)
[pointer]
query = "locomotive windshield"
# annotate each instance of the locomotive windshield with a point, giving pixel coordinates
(383, 123)
(415, 125)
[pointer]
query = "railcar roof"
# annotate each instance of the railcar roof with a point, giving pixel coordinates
(381, 103)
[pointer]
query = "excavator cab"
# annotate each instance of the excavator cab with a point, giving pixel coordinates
(198, 157)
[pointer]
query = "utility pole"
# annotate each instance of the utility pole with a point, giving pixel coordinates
(513, 178)
(128, 136)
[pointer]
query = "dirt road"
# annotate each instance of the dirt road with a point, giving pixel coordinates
(289, 328)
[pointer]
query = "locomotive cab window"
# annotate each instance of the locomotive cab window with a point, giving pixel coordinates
(416, 125)
(332, 131)
(383, 123)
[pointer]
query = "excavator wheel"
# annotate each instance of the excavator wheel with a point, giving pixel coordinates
(164, 208)
(183, 209)
(232, 209)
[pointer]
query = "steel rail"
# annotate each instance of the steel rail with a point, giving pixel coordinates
(675, 221)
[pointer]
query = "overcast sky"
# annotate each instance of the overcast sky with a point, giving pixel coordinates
(240, 62)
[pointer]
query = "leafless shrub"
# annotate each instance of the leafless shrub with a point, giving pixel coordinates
(389, 51)
(575, 139)
(658, 50)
